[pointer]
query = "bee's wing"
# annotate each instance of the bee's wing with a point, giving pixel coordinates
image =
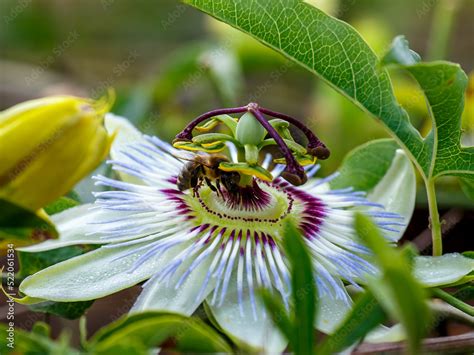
(185, 156)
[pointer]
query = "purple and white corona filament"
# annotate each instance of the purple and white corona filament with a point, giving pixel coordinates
(217, 246)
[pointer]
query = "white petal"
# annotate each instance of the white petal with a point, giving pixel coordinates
(160, 296)
(72, 225)
(384, 334)
(126, 134)
(397, 189)
(331, 313)
(93, 275)
(259, 333)
(442, 270)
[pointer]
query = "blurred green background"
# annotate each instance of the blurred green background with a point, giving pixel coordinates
(169, 63)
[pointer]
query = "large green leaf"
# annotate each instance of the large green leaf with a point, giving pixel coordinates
(444, 85)
(334, 51)
(151, 329)
(298, 325)
(17, 341)
(303, 290)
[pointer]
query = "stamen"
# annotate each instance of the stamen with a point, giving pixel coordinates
(293, 173)
(315, 146)
(187, 133)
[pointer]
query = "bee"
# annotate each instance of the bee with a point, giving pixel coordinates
(206, 168)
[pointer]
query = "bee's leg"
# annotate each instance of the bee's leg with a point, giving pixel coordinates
(218, 185)
(209, 183)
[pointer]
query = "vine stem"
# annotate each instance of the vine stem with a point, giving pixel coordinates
(435, 223)
(453, 301)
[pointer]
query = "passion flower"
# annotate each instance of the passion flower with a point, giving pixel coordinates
(210, 242)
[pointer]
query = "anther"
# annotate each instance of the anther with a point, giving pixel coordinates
(187, 133)
(315, 147)
(293, 172)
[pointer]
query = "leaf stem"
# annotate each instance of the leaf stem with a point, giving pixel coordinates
(435, 223)
(453, 301)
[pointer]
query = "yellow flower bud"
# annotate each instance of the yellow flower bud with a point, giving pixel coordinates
(48, 145)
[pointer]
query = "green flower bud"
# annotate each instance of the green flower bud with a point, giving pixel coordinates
(249, 130)
(48, 145)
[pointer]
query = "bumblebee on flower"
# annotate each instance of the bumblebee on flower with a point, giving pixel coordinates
(203, 226)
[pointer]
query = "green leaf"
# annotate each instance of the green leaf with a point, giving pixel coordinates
(61, 204)
(334, 51)
(303, 290)
(467, 185)
(466, 293)
(327, 47)
(397, 290)
(69, 310)
(444, 85)
(22, 226)
(298, 324)
(365, 166)
(365, 315)
(34, 342)
(151, 329)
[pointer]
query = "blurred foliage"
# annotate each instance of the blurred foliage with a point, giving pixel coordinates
(397, 290)
(21, 226)
(139, 334)
(298, 324)
(37, 341)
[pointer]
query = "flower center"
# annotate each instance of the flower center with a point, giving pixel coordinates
(250, 133)
(261, 207)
